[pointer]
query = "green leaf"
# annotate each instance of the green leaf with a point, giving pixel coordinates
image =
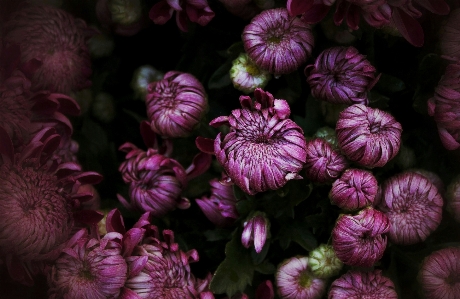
(265, 268)
(221, 77)
(298, 232)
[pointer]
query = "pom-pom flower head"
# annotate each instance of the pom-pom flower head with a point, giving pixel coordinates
(341, 75)
(247, 76)
(264, 149)
(277, 42)
(367, 136)
(176, 104)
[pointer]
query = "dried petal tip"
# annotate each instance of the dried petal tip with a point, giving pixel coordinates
(247, 76)
(323, 262)
(255, 231)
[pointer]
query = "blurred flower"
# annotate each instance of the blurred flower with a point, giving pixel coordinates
(405, 158)
(220, 207)
(361, 284)
(439, 275)
(246, 75)
(323, 262)
(104, 107)
(295, 280)
(367, 136)
(277, 42)
(327, 134)
(124, 17)
(453, 198)
(359, 240)
(449, 39)
(413, 205)
(265, 290)
(341, 75)
(57, 41)
(354, 190)
(100, 45)
(323, 163)
(176, 104)
(255, 231)
(142, 77)
(197, 11)
(264, 148)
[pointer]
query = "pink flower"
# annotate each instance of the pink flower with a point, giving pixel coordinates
(197, 11)
(439, 274)
(367, 136)
(295, 280)
(359, 240)
(277, 42)
(255, 231)
(449, 40)
(176, 104)
(361, 284)
(341, 75)
(413, 206)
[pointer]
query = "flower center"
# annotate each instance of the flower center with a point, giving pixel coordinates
(374, 127)
(305, 279)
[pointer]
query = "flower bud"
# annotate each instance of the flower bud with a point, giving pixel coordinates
(323, 262)
(142, 77)
(125, 12)
(255, 231)
(246, 75)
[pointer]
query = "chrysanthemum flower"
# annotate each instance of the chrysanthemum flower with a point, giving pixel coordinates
(295, 280)
(341, 75)
(360, 284)
(323, 163)
(277, 42)
(439, 275)
(264, 148)
(449, 39)
(355, 189)
(176, 104)
(255, 232)
(323, 262)
(246, 75)
(413, 206)
(432, 177)
(367, 136)
(57, 40)
(360, 240)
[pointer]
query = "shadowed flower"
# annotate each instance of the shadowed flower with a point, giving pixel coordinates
(264, 149)
(245, 9)
(323, 262)
(176, 104)
(453, 198)
(439, 275)
(413, 205)
(57, 41)
(367, 136)
(246, 76)
(323, 163)
(341, 75)
(295, 280)
(255, 231)
(361, 284)
(327, 134)
(354, 190)
(277, 42)
(449, 39)
(124, 17)
(359, 240)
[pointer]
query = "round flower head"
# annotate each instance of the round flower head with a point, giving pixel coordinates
(323, 262)
(295, 280)
(367, 136)
(359, 240)
(341, 75)
(176, 104)
(264, 149)
(360, 284)
(57, 40)
(246, 76)
(354, 190)
(277, 42)
(439, 275)
(450, 36)
(413, 205)
(323, 163)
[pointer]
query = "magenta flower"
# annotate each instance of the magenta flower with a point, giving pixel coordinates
(197, 11)
(367, 136)
(246, 76)
(439, 275)
(124, 17)
(361, 284)
(341, 75)
(354, 190)
(360, 240)
(295, 280)
(220, 207)
(57, 42)
(323, 163)
(449, 40)
(176, 104)
(264, 149)
(413, 206)
(255, 231)
(277, 42)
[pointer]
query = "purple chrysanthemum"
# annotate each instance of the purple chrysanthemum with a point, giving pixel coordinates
(264, 149)
(367, 136)
(295, 280)
(413, 205)
(360, 284)
(255, 232)
(341, 75)
(360, 240)
(355, 189)
(277, 42)
(176, 104)
(323, 163)
(439, 275)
